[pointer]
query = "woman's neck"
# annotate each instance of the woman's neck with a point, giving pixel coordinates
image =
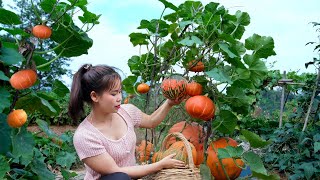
(96, 118)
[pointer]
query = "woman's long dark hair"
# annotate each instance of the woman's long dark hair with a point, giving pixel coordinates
(90, 78)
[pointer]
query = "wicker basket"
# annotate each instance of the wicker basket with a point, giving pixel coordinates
(190, 173)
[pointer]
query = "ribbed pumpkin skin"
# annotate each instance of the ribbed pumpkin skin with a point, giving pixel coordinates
(23, 79)
(215, 166)
(41, 31)
(157, 156)
(181, 151)
(144, 150)
(17, 118)
(199, 67)
(194, 89)
(193, 133)
(143, 88)
(200, 107)
(174, 87)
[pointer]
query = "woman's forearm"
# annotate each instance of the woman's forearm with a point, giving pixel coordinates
(142, 170)
(158, 116)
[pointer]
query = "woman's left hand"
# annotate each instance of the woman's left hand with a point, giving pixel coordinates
(174, 102)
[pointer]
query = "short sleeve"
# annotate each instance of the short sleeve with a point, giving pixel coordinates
(87, 144)
(134, 113)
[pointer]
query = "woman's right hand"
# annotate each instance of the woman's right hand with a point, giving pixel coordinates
(168, 162)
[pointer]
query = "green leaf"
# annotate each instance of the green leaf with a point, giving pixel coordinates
(316, 146)
(219, 74)
(308, 169)
(41, 170)
(22, 145)
(139, 38)
(48, 5)
(243, 18)
(43, 125)
(5, 167)
(265, 177)
(15, 31)
(262, 46)
(10, 56)
(237, 96)
(205, 172)
(39, 60)
(190, 40)
(5, 135)
(8, 17)
(128, 84)
(169, 5)
(225, 48)
(257, 68)
(89, 17)
(227, 121)
(66, 159)
(68, 174)
(158, 27)
(230, 152)
(5, 99)
(254, 140)
(60, 89)
(255, 163)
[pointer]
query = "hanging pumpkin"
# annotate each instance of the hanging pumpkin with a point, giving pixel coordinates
(41, 31)
(200, 107)
(143, 88)
(214, 164)
(194, 88)
(193, 132)
(17, 118)
(174, 87)
(181, 152)
(199, 67)
(143, 151)
(23, 79)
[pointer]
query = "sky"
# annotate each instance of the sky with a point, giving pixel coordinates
(287, 21)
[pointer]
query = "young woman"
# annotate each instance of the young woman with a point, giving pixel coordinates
(105, 140)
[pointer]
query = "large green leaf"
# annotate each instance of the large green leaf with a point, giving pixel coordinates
(22, 145)
(227, 121)
(89, 17)
(48, 5)
(262, 46)
(230, 152)
(243, 18)
(254, 140)
(5, 135)
(191, 40)
(205, 172)
(265, 177)
(4, 167)
(66, 159)
(226, 49)
(189, 9)
(155, 26)
(220, 75)
(255, 163)
(308, 169)
(316, 146)
(43, 125)
(9, 55)
(5, 99)
(39, 60)
(169, 5)
(41, 170)
(60, 89)
(8, 17)
(257, 68)
(128, 84)
(139, 38)
(15, 31)
(237, 96)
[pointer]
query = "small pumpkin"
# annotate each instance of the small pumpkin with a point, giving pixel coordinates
(200, 107)
(143, 151)
(199, 67)
(214, 164)
(156, 157)
(174, 87)
(41, 31)
(181, 152)
(17, 118)
(143, 88)
(193, 132)
(23, 79)
(126, 100)
(194, 88)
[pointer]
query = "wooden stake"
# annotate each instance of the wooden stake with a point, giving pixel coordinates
(282, 99)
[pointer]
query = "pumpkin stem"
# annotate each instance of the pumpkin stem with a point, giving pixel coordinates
(50, 50)
(51, 61)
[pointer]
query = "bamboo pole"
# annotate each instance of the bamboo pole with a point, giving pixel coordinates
(282, 99)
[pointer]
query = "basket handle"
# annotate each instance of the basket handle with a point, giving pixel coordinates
(186, 144)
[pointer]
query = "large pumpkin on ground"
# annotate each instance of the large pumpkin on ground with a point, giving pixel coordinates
(214, 164)
(200, 107)
(17, 118)
(41, 31)
(174, 87)
(193, 132)
(181, 152)
(143, 151)
(23, 79)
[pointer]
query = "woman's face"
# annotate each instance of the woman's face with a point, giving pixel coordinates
(109, 101)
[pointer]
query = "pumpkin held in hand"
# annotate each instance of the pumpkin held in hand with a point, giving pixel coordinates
(23, 79)
(181, 152)
(17, 118)
(41, 31)
(174, 87)
(143, 88)
(199, 67)
(200, 107)
(214, 164)
(194, 89)
(143, 151)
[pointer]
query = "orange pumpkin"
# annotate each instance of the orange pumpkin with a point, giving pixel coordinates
(181, 152)
(126, 100)
(199, 67)
(156, 156)
(143, 151)
(143, 88)
(174, 87)
(194, 89)
(41, 31)
(214, 164)
(23, 79)
(193, 133)
(17, 118)
(200, 107)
